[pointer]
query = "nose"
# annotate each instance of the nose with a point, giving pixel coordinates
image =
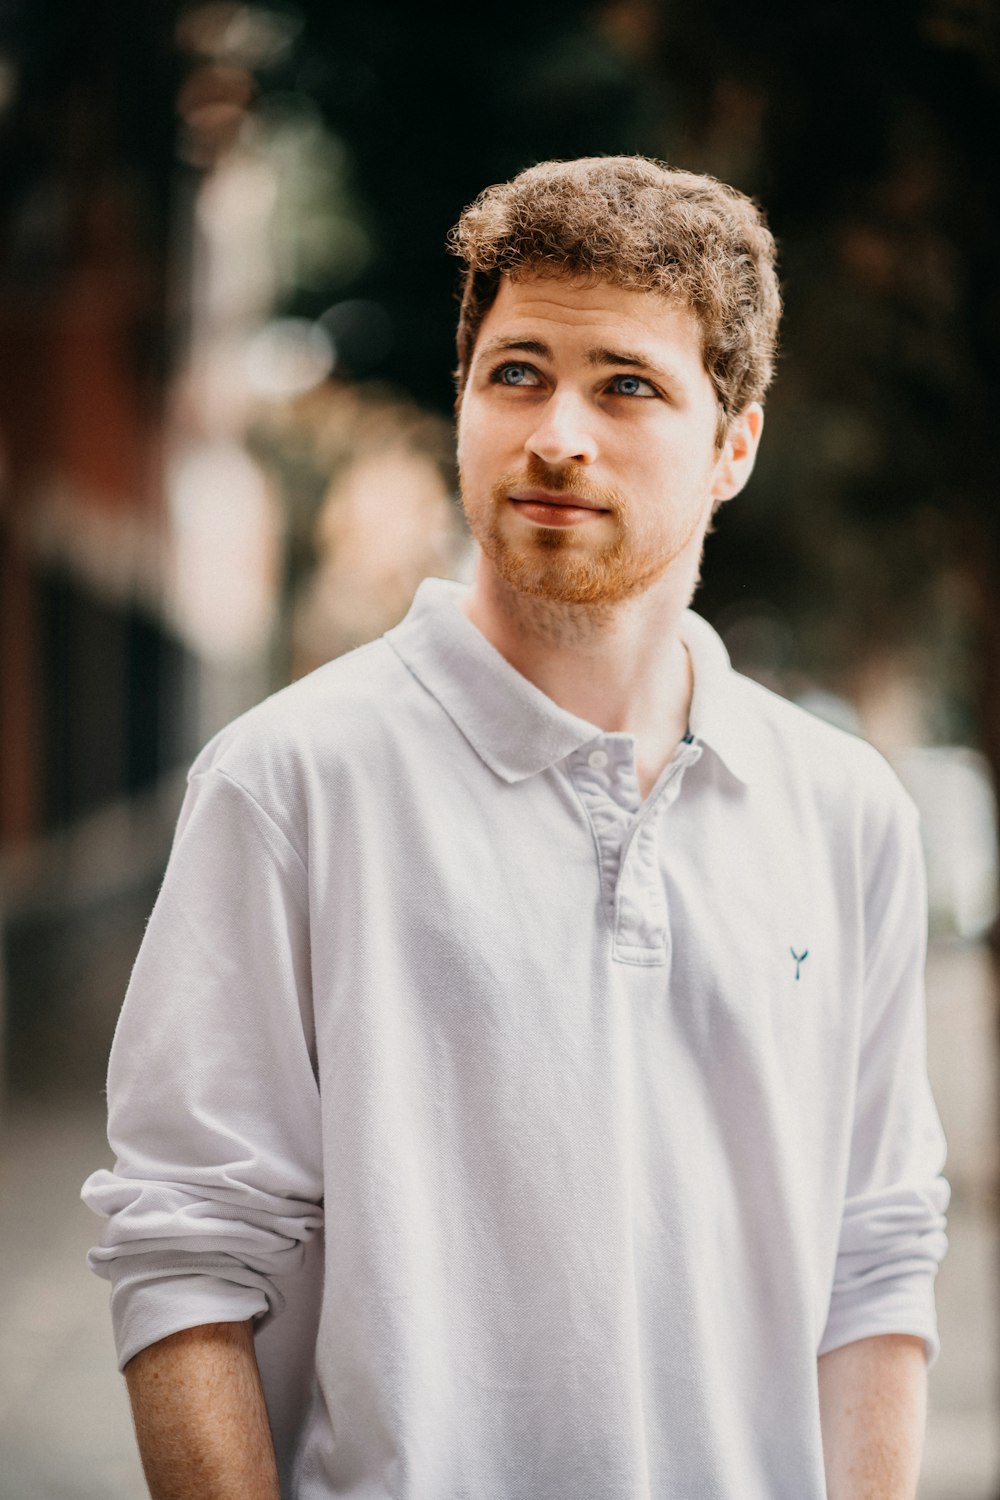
(563, 433)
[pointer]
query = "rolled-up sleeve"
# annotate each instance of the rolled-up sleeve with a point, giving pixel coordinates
(892, 1234)
(212, 1089)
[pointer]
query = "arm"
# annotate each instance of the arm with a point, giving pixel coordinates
(213, 1097)
(892, 1221)
(873, 1403)
(200, 1417)
(881, 1330)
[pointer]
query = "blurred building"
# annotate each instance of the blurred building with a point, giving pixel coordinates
(197, 499)
(92, 680)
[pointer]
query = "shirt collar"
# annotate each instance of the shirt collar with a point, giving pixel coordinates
(515, 727)
(721, 717)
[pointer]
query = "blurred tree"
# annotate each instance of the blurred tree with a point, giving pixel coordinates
(872, 132)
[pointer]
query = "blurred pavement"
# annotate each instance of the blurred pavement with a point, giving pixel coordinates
(65, 1429)
(65, 1426)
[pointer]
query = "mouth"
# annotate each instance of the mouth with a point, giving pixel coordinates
(545, 508)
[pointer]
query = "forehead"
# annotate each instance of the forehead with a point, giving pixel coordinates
(567, 311)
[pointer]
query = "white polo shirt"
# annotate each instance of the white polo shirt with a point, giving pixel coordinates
(550, 1133)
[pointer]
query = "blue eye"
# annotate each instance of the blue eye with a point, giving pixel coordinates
(632, 385)
(511, 374)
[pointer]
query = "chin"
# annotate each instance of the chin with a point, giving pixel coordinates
(563, 576)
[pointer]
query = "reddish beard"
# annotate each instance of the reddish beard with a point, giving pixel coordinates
(563, 564)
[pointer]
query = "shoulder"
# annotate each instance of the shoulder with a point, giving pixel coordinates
(300, 742)
(791, 760)
(350, 684)
(798, 753)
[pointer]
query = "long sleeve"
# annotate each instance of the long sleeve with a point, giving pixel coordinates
(213, 1098)
(892, 1233)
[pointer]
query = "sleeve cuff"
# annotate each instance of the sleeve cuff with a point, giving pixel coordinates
(143, 1312)
(904, 1306)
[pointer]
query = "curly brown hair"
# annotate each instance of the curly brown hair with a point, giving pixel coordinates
(638, 224)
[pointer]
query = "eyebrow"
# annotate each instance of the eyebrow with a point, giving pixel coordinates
(520, 346)
(598, 358)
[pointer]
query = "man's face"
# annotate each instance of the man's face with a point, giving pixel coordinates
(586, 440)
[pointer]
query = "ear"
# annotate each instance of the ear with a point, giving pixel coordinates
(735, 463)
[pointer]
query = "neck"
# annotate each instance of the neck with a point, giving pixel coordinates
(623, 666)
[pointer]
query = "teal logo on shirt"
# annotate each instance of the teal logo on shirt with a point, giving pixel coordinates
(800, 959)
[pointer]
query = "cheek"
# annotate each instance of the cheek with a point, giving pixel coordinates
(482, 452)
(470, 441)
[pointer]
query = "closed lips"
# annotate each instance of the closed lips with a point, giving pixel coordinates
(542, 497)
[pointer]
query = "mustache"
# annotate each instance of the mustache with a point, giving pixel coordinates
(565, 480)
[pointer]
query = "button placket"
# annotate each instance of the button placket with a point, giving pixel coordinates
(606, 784)
(625, 835)
(641, 924)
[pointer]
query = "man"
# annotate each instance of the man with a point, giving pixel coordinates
(524, 1064)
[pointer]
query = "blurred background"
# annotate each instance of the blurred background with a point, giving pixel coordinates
(226, 342)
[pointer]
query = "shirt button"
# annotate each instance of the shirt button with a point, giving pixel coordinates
(597, 760)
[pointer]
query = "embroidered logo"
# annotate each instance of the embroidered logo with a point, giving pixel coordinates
(800, 959)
